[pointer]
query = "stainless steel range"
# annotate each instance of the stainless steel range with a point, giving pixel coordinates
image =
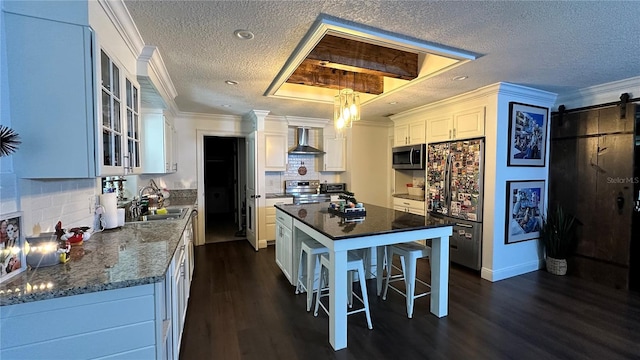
(305, 191)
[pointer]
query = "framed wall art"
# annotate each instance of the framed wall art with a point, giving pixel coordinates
(12, 254)
(527, 134)
(525, 205)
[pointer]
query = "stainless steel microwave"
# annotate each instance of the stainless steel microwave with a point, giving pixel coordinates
(409, 157)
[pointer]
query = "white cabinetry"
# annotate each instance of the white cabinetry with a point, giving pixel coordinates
(270, 210)
(158, 143)
(75, 108)
(276, 152)
(409, 133)
(335, 157)
(410, 206)
(284, 243)
(459, 125)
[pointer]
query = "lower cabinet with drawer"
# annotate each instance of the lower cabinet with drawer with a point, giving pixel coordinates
(270, 221)
(410, 206)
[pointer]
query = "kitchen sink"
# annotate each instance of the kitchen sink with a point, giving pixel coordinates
(173, 213)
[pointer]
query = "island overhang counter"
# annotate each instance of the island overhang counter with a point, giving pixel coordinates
(381, 226)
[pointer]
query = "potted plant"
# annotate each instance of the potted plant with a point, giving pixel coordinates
(557, 235)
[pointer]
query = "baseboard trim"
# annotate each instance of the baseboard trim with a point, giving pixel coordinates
(511, 271)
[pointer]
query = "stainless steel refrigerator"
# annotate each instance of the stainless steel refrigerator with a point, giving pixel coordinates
(455, 173)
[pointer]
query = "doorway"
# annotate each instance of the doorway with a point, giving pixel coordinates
(224, 186)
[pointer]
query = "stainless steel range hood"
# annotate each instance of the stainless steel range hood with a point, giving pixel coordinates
(303, 148)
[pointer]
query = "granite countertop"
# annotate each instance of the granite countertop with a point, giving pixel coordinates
(409, 197)
(135, 254)
(378, 220)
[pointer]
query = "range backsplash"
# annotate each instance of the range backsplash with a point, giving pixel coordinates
(275, 180)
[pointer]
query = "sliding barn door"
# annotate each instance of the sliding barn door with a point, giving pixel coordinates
(591, 175)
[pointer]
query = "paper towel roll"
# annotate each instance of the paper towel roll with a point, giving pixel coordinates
(110, 203)
(120, 217)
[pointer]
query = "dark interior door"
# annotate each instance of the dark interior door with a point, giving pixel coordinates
(592, 176)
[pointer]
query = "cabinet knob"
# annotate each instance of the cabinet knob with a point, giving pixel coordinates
(454, 133)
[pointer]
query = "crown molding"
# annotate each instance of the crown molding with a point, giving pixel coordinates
(600, 94)
(501, 88)
(150, 64)
(118, 14)
(120, 17)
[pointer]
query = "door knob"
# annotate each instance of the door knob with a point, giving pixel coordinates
(258, 196)
(252, 196)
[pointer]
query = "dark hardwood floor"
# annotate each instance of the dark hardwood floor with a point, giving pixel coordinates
(242, 307)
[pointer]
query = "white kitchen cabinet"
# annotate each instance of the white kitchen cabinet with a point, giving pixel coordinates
(284, 244)
(335, 157)
(74, 107)
(182, 265)
(118, 323)
(409, 133)
(464, 124)
(158, 142)
(270, 211)
(410, 206)
(276, 152)
(178, 299)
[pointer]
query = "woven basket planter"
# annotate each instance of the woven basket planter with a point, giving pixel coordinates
(556, 266)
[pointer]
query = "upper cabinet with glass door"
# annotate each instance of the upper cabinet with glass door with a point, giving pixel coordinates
(120, 138)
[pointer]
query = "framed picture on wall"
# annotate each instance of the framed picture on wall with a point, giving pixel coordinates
(527, 134)
(525, 206)
(12, 254)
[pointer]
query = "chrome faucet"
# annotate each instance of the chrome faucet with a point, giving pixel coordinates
(145, 188)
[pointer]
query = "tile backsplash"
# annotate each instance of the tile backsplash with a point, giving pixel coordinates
(45, 202)
(275, 180)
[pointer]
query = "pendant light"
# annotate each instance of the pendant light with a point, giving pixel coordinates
(346, 108)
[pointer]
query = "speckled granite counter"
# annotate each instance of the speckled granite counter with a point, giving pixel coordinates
(135, 254)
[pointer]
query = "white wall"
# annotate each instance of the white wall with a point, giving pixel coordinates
(500, 260)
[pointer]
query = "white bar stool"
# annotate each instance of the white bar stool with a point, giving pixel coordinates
(409, 253)
(310, 251)
(354, 263)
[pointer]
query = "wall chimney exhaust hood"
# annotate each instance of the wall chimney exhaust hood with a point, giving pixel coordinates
(302, 147)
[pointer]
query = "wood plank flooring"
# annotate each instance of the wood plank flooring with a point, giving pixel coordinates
(242, 307)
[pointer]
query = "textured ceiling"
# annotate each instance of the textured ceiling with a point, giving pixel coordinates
(554, 46)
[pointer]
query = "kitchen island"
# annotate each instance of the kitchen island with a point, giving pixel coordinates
(381, 226)
(115, 295)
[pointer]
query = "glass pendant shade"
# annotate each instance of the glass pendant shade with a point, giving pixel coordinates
(346, 107)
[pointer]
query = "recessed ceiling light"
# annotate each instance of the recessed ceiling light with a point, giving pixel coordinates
(231, 82)
(393, 103)
(243, 34)
(226, 105)
(460, 77)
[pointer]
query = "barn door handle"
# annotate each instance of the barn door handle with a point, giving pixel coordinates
(620, 201)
